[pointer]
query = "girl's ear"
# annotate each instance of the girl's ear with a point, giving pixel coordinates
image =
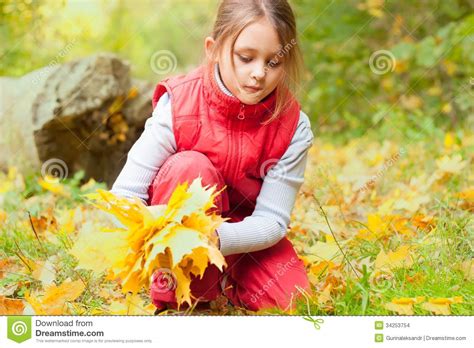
(208, 47)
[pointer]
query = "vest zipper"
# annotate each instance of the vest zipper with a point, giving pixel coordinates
(241, 117)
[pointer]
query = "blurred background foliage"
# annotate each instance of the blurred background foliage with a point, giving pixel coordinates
(429, 88)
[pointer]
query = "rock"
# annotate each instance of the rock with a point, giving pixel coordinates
(82, 115)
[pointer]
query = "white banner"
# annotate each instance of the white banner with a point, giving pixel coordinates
(250, 331)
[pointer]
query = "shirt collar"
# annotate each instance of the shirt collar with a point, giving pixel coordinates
(221, 85)
(229, 106)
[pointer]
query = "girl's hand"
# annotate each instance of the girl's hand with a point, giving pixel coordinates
(218, 240)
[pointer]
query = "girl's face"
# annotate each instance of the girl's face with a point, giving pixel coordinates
(258, 58)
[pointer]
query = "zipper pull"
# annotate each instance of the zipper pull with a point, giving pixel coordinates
(241, 115)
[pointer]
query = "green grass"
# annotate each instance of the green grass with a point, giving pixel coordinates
(435, 261)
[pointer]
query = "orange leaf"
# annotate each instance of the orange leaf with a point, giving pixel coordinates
(55, 297)
(10, 306)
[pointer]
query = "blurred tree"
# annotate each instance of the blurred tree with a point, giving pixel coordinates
(22, 24)
(370, 64)
(429, 48)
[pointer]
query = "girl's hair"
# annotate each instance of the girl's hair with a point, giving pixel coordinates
(233, 16)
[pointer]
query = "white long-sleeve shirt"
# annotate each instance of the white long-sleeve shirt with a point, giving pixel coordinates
(269, 221)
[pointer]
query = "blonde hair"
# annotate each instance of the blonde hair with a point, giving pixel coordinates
(233, 16)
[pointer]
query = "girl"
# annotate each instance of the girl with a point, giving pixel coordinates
(233, 121)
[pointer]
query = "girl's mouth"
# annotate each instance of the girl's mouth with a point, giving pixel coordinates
(253, 89)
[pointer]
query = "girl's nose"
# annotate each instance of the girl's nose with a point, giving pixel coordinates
(259, 72)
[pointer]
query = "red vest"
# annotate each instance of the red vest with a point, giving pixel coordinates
(229, 133)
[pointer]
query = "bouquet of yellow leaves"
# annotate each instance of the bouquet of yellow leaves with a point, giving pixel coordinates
(178, 236)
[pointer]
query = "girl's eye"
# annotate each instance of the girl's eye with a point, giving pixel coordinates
(273, 64)
(244, 59)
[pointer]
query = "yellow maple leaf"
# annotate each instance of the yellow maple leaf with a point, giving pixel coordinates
(399, 224)
(53, 301)
(52, 184)
(377, 227)
(441, 306)
(322, 251)
(99, 251)
(403, 305)
(178, 236)
(322, 267)
(467, 194)
(400, 258)
(412, 204)
(450, 165)
(66, 220)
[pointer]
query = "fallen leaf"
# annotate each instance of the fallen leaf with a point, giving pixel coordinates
(322, 251)
(53, 301)
(467, 268)
(325, 296)
(10, 306)
(376, 228)
(423, 222)
(449, 141)
(403, 305)
(441, 306)
(45, 271)
(52, 184)
(467, 197)
(130, 305)
(401, 258)
(7, 265)
(3, 216)
(99, 251)
(417, 278)
(448, 166)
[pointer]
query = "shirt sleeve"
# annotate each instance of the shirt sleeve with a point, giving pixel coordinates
(147, 155)
(269, 222)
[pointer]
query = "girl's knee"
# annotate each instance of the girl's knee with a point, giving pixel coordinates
(190, 158)
(189, 164)
(184, 166)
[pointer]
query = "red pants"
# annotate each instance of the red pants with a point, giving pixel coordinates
(256, 280)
